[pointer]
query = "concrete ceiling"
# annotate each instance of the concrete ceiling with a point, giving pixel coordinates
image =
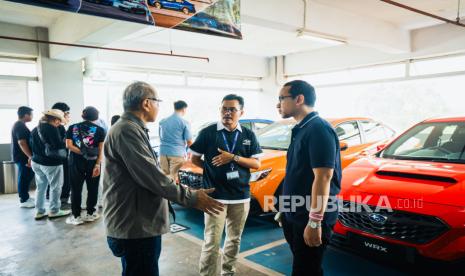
(269, 28)
(400, 17)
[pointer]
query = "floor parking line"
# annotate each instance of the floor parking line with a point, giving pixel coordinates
(241, 258)
(262, 248)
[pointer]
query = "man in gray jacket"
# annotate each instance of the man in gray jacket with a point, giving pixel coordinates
(136, 191)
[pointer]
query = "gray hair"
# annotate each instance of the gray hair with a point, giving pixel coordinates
(135, 93)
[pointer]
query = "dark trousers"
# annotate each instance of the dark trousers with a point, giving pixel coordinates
(138, 256)
(66, 189)
(78, 173)
(306, 260)
(25, 176)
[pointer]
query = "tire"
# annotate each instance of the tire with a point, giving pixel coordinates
(185, 11)
(157, 5)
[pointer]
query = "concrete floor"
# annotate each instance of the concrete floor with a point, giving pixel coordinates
(51, 247)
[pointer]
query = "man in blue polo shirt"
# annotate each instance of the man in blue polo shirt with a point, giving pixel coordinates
(313, 172)
(175, 137)
(229, 151)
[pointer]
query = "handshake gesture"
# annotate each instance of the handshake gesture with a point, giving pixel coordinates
(207, 204)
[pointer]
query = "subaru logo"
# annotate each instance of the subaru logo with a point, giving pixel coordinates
(378, 219)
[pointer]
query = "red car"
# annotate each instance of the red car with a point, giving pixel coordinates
(410, 196)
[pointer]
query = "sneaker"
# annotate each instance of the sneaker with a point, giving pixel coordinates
(58, 214)
(74, 221)
(90, 218)
(28, 203)
(40, 215)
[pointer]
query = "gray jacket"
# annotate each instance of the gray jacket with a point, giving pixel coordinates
(135, 189)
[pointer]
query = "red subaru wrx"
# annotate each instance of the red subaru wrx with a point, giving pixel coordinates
(409, 199)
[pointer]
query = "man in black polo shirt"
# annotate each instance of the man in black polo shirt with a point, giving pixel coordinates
(229, 153)
(313, 172)
(22, 154)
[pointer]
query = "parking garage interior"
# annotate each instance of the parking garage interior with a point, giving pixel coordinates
(380, 70)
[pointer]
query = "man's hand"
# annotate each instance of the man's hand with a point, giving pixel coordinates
(312, 237)
(29, 163)
(96, 171)
(222, 159)
(208, 204)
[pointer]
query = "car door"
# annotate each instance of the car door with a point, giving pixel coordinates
(349, 132)
(170, 4)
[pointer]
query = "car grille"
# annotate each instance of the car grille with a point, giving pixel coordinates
(398, 225)
(190, 179)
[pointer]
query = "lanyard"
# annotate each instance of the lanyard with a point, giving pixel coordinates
(231, 150)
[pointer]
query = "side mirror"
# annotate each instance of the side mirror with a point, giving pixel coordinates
(343, 146)
(380, 147)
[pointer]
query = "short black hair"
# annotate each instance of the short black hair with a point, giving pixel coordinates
(179, 105)
(300, 87)
(61, 106)
(90, 113)
(234, 97)
(23, 111)
(115, 119)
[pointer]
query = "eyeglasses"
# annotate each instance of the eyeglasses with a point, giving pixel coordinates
(155, 100)
(281, 98)
(229, 109)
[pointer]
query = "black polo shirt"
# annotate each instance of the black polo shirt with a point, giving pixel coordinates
(207, 144)
(314, 144)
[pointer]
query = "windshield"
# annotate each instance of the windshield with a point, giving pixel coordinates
(275, 136)
(439, 142)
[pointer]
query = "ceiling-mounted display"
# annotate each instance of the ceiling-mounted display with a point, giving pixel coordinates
(218, 17)
(221, 19)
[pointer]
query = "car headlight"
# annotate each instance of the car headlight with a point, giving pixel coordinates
(259, 175)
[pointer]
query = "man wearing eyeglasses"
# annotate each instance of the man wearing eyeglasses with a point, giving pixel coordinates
(313, 171)
(136, 190)
(229, 151)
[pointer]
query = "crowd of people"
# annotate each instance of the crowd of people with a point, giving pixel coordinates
(60, 159)
(139, 186)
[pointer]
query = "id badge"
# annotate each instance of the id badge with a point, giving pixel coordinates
(232, 175)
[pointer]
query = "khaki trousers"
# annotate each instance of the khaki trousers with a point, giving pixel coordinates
(171, 165)
(234, 217)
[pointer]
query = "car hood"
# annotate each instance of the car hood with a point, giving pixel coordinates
(441, 183)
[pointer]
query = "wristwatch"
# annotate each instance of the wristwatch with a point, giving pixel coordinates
(236, 158)
(314, 224)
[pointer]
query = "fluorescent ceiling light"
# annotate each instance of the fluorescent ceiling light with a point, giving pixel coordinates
(319, 37)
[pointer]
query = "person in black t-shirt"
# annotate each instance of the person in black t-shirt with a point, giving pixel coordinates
(22, 154)
(229, 151)
(66, 189)
(85, 141)
(313, 171)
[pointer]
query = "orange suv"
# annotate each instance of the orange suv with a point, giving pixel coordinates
(359, 137)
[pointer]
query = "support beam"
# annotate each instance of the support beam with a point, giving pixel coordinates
(84, 29)
(17, 48)
(432, 41)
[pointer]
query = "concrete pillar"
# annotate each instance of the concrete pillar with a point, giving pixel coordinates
(61, 81)
(271, 85)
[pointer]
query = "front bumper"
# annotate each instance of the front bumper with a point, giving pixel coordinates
(447, 244)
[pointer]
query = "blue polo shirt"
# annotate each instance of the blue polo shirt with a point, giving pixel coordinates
(174, 132)
(314, 144)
